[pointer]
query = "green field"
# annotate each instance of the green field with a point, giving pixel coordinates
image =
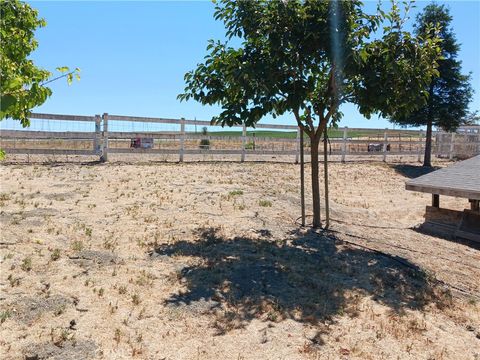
(332, 133)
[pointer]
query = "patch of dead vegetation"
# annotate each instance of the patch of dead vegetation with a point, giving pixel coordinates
(63, 346)
(88, 258)
(181, 261)
(30, 309)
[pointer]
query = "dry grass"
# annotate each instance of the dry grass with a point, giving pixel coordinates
(204, 261)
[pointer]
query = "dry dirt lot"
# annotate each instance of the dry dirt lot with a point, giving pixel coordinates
(205, 261)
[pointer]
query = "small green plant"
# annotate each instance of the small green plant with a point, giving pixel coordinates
(4, 315)
(136, 299)
(26, 264)
(250, 145)
(265, 203)
(55, 255)
(117, 336)
(13, 280)
(235, 193)
(88, 232)
(77, 245)
(122, 290)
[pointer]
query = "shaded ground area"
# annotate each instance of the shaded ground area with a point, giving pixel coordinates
(413, 171)
(307, 278)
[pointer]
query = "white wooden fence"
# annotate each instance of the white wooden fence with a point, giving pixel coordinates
(102, 139)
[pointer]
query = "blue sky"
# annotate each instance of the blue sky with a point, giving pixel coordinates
(133, 56)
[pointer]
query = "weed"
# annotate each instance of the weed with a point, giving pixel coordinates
(13, 280)
(117, 336)
(4, 315)
(60, 310)
(235, 193)
(88, 232)
(265, 203)
(4, 197)
(136, 299)
(55, 255)
(26, 264)
(77, 245)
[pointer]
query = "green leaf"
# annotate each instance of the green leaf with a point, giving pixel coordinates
(63, 69)
(12, 84)
(6, 103)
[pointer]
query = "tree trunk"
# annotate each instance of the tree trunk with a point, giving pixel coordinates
(428, 145)
(315, 182)
(427, 159)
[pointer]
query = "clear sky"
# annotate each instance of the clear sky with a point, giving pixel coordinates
(133, 55)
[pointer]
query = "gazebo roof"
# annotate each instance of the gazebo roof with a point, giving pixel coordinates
(461, 179)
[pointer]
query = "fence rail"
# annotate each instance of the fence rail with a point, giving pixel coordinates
(104, 135)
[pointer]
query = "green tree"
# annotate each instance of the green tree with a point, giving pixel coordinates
(308, 58)
(22, 83)
(450, 92)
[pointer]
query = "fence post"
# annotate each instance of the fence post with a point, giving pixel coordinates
(344, 145)
(244, 138)
(385, 139)
(104, 157)
(298, 146)
(420, 142)
(452, 146)
(97, 145)
(182, 139)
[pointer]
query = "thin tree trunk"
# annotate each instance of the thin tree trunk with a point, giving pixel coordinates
(427, 159)
(428, 145)
(315, 182)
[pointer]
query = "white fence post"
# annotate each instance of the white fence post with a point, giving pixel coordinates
(452, 146)
(298, 146)
(420, 142)
(385, 139)
(104, 157)
(97, 145)
(344, 145)
(182, 139)
(244, 138)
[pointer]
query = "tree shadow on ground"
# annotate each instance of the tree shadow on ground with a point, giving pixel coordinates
(422, 229)
(309, 278)
(413, 171)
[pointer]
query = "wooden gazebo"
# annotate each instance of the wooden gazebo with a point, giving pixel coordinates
(461, 179)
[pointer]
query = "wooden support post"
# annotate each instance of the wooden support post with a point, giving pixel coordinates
(244, 139)
(420, 139)
(104, 157)
(97, 143)
(344, 145)
(298, 146)
(436, 200)
(474, 205)
(302, 178)
(452, 146)
(182, 139)
(385, 139)
(325, 168)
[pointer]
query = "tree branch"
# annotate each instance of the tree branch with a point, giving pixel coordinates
(299, 123)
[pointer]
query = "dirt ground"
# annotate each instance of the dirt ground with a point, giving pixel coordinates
(206, 261)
